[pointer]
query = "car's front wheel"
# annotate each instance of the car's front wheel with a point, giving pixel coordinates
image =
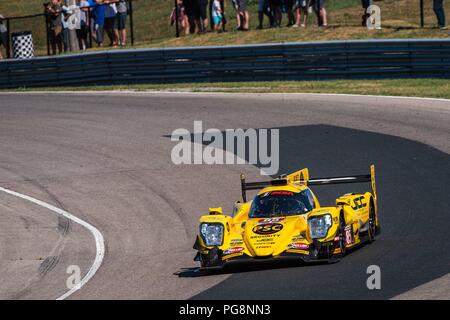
(342, 241)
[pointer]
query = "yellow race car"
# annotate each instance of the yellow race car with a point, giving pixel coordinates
(285, 219)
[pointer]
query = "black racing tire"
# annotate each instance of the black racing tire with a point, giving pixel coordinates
(341, 233)
(371, 232)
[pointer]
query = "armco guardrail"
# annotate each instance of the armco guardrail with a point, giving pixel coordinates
(373, 59)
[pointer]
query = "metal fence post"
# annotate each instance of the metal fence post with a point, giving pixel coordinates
(89, 24)
(422, 23)
(8, 41)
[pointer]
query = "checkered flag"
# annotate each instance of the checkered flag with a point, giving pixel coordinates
(22, 45)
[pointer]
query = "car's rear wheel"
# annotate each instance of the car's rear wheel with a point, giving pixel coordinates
(372, 224)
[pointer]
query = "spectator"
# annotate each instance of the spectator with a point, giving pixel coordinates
(289, 6)
(71, 24)
(110, 18)
(65, 28)
(264, 9)
(183, 20)
(217, 16)
(84, 24)
(3, 35)
(121, 22)
(365, 4)
(438, 7)
(203, 12)
(301, 7)
(224, 18)
(319, 7)
(239, 17)
(275, 7)
(192, 11)
(53, 11)
(98, 12)
(244, 15)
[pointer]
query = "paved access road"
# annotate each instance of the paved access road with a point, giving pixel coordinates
(105, 158)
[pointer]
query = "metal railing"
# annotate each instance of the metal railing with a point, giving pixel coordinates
(41, 22)
(373, 59)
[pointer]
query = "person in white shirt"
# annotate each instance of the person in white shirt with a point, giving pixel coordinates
(121, 21)
(217, 15)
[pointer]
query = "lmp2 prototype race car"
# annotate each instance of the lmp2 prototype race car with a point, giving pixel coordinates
(285, 219)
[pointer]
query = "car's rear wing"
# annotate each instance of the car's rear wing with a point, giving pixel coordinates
(302, 177)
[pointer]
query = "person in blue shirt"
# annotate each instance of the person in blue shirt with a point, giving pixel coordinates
(99, 19)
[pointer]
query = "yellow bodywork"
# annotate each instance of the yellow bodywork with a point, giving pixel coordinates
(247, 238)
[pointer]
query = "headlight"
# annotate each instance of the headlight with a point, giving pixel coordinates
(212, 233)
(319, 226)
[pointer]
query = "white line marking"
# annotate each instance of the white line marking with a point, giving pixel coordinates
(99, 241)
(218, 93)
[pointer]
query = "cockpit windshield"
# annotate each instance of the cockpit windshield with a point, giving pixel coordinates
(281, 203)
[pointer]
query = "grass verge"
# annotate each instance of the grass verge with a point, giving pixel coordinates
(431, 88)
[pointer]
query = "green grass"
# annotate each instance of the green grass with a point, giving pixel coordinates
(400, 19)
(433, 88)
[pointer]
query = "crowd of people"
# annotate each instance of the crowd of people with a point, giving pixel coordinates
(193, 14)
(96, 18)
(71, 21)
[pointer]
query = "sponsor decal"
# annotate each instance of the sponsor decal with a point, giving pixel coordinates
(236, 242)
(267, 228)
(348, 235)
(267, 239)
(233, 250)
(281, 193)
(270, 220)
(269, 236)
(297, 245)
(358, 203)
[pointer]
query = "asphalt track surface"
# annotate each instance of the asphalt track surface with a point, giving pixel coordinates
(105, 158)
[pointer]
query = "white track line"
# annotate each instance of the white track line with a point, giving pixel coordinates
(99, 241)
(212, 93)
